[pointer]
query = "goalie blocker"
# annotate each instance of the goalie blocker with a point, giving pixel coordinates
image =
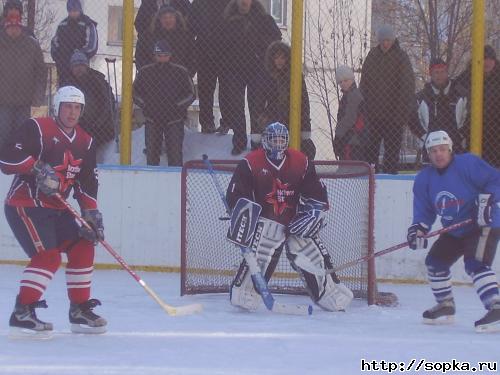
(268, 238)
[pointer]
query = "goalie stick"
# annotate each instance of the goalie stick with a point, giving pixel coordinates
(302, 261)
(257, 277)
(169, 309)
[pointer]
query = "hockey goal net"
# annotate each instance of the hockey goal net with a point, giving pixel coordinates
(209, 262)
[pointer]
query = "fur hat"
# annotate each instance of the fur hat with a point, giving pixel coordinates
(385, 32)
(343, 73)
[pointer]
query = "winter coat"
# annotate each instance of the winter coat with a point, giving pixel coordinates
(350, 117)
(164, 91)
(147, 22)
(491, 112)
(98, 114)
(444, 109)
(24, 75)
(206, 25)
(180, 40)
(71, 35)
(246, 37)
(278, 97)
(388, 84)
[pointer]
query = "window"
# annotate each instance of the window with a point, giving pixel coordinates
(277, 9)
(115, 25)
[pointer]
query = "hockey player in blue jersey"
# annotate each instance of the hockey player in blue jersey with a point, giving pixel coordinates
(457, 188)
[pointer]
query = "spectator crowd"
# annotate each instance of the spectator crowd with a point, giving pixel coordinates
(236, 46)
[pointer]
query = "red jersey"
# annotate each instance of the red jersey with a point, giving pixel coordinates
(72, 157)
(276, 188)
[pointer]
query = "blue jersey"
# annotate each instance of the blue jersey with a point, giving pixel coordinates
(453, 193)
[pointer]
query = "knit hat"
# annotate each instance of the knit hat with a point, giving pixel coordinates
(489, 52)
(13, 4)
(166, 9)
(74, 6)
(385, 32)
(343, 73)
(162, 48)
(437, 63)
(13, 20)
(79, 58)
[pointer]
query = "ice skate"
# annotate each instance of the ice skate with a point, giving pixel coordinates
(25, 324)
(84, 320)
(442, 313)
(490, 322)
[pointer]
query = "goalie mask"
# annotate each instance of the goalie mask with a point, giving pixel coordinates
(275, 141)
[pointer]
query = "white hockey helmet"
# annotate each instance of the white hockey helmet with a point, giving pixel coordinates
(439, 137)
(68, 94)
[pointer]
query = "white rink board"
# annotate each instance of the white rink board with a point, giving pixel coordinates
(142, 210)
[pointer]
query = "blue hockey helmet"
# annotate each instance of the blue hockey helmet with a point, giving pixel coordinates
(275, 140)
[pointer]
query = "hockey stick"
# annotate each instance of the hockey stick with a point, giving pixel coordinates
(302, 262)
(256, 274)
(170, 310)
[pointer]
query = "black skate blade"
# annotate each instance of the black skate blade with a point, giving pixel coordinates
(18, 333)
(82, 328)
(488, 327)
(442, 320)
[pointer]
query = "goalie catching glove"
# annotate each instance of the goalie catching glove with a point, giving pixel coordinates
(309, 219)
(93, 218)
(47, 180)
(415, 237)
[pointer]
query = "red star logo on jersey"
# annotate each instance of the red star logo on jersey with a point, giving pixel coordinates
(277, 197)
(68, 170)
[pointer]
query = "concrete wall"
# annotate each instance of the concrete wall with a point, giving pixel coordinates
(141, 209)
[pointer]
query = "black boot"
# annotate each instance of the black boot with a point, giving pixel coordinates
(23, 320)
(84, 320)
(490, 322)
(442, 313)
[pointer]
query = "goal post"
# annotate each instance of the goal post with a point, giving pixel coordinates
(209, 262)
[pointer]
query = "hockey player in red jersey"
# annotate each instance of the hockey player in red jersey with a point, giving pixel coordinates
(51, 156)
(293, 201)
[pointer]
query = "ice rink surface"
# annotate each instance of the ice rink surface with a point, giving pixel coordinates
(143, 340)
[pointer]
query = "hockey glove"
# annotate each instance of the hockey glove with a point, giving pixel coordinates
(46, 178)
(415, 237)
(94, 219)
(307, 224)
(485, 205)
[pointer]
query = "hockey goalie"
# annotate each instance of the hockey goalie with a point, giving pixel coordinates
(282, 185)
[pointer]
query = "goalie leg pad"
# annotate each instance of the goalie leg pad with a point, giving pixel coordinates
(267, 245)
(325, 290)
(243, 293)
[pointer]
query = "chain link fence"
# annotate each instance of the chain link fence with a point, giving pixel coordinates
(211, 74)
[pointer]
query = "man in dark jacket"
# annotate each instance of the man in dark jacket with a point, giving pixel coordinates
(441, 105)
(75, 32)
(98, 114)
(247, 32)
(388, 88)
(277, 108)
(164, 90)
(350, 129)
(148, 24)
(206, 25)
(23, 76)
(491, 107)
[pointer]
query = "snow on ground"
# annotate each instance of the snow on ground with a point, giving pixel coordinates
(143, 340)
